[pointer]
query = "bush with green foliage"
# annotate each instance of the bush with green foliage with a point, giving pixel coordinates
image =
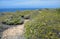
(11, 18)
(14, 20)
(45, 25)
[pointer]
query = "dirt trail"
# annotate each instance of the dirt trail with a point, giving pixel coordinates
(14, 32)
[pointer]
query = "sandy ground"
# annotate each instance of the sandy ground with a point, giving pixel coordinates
(14, 32)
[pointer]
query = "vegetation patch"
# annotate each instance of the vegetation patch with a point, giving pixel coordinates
(45, 25)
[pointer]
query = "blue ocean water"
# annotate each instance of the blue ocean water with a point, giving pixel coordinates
(15, 9)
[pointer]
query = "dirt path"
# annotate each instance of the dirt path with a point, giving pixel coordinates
(14, 32)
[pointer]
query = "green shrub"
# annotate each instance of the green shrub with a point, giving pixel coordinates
(45, 25)
(14, 20)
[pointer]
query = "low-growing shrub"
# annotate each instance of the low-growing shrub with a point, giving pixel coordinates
(44, 26)
(13, 20)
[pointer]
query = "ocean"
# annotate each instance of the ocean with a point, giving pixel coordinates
(16, 9)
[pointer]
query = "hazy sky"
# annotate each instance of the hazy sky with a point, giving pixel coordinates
(29, 3)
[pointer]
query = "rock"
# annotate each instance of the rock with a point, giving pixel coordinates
(0, 35)
(27, 17)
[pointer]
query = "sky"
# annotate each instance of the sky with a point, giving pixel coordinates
(29, 4)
